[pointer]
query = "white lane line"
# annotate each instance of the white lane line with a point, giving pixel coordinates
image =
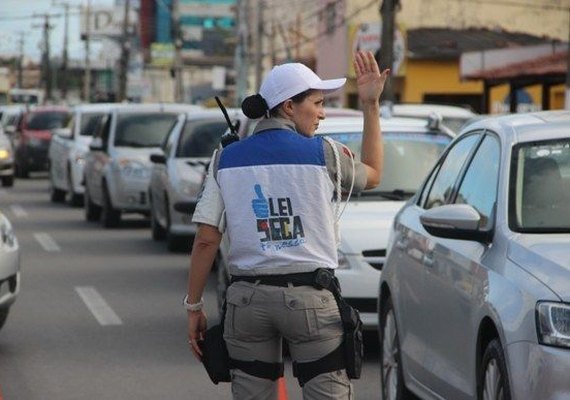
(46, 241)
(18, 211)
(102, 312)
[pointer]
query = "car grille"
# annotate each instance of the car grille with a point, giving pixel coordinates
(375, 258)
(362, 305)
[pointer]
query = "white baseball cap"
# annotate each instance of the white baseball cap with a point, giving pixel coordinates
(288, 80)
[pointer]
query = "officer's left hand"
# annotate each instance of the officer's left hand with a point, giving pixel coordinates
(197, 325)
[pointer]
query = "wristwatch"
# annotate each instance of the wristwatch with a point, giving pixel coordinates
(193, 307)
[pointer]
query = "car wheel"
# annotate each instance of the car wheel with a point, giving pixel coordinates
(92, 210)
(493, 377)
(56, 195)
(174, 243)
(3, 316)
(8, 181)
(158, 232)
(110, 216)
(74, 199)
(21, 171)
(223, 282)
(391, 376)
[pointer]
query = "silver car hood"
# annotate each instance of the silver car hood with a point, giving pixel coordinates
(365, 225)
(546, 256)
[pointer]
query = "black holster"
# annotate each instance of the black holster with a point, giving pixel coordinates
(215, 353)
(353, 341)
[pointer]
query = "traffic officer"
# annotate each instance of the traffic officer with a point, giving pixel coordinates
(274, 196)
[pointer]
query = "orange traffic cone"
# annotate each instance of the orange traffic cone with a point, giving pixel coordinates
(281, 389)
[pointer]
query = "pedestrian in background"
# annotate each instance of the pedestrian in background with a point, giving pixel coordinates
(274, 195)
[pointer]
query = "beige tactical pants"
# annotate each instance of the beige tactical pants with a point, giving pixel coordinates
(259, 316)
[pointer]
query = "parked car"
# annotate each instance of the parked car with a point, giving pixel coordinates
(117, 166)
(177, 173)
(33, 136)
(9, 268)
(6, 160)
(454, 117)
(67, 150)
(411, 147)
(474, 296)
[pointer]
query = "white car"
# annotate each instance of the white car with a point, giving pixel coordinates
(117, 166)
(9, 268)
(454, 117)
(177, 173)
(411, 147)
(67, 150)
(6, 160)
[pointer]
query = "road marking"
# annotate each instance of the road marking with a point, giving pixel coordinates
(18, 212)
(102, 312)
(46, 241)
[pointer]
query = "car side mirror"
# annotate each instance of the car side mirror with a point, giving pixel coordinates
(158, 158)
(455, 221)
(186, 207)
(96, 144)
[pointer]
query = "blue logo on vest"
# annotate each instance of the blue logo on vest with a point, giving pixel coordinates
(279, 227)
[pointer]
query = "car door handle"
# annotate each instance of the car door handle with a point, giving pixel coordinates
(427, 259)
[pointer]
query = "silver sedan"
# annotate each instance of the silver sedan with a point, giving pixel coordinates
(9, 268)
(474, 299)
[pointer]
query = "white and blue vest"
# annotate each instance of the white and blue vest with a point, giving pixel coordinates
(277, 195)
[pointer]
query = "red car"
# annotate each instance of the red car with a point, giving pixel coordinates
(34, 135)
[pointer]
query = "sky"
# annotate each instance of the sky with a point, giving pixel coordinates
(17, 16)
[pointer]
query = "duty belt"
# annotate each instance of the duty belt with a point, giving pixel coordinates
(318, 279)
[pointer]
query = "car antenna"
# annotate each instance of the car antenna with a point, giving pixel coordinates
(232, 136)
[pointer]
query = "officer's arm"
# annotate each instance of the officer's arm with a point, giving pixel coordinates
(370, 86)
(206, 244)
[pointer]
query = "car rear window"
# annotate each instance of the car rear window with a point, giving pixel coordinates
(200, 138)
(48, 120)
(540, 187)
(408, 158)
(143, 130)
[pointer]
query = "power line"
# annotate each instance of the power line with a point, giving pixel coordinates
(518, 4)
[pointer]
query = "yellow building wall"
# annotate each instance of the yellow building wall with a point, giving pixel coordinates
(434, 77)
(499, 94)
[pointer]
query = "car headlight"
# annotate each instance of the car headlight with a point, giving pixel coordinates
(6, 233)
(4, 154)
(79, 159)
(553, 323)
(133, 169)
(189, 188)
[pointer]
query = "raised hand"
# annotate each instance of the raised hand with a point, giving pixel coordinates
(368, 77)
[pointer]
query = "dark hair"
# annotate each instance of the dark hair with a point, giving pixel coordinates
(255, 106)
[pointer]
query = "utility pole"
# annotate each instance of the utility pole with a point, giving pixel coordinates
(64, 62)
(21, 60)
(386, 54)
(177, 38)
(241, 57)
(87, 77)
(46, 67)
(259, 44)
(567, 99)
(125, 52)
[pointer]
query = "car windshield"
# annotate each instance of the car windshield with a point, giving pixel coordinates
(143, 130)
(200, 138)
(90, 123)
(540, 186)
(48, 120)
(408, 158)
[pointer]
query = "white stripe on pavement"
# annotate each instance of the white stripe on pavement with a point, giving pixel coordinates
(46, 241)
(102, 312)
(19, 211)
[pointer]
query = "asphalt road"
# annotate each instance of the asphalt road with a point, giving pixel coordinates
(99, 315)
